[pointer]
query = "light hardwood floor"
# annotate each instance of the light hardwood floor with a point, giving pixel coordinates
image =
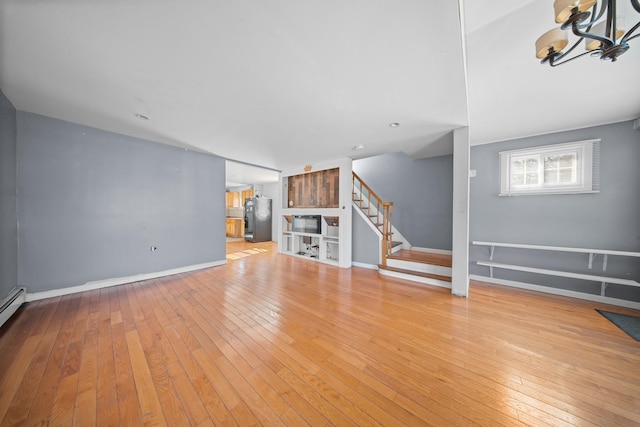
(275, 340)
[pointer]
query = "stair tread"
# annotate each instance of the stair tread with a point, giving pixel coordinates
(443, 260)
(416, 273)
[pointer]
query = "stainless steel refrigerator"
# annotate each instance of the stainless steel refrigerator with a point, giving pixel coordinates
(257, 219)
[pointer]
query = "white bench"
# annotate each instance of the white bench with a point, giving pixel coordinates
(603, 280)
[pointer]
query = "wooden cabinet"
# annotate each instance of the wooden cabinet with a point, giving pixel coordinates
(235, 199)
(235, 227)
(245, 195)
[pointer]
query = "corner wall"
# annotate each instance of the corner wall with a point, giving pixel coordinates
(8, 219)
(93, 203)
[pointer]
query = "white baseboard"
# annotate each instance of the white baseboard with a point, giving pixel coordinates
(435, 251)
(99, 284)
(364, 265)
(556, 291)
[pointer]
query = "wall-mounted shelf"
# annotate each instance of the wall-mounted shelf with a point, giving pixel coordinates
(604, 280)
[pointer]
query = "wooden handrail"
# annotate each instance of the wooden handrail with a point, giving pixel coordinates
(364, 184)
(383, 211)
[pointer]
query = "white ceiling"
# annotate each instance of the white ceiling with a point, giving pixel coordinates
(240, 174)
(285, 83)
(512, 95)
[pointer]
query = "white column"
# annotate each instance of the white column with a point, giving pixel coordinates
(460, 244)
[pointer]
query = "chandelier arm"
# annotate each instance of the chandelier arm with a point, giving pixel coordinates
(557, 56)
(605, 40)
(611, 20)
(597, 17)
(553, 63)
(628, 36)
(588, 24)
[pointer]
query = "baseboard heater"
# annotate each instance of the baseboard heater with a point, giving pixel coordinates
(11, 303)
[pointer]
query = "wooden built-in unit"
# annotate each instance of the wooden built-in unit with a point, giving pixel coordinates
(324, 192)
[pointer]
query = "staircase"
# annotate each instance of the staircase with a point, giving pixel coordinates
(419, 266)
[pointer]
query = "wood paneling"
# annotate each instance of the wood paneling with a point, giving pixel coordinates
(274, 340)
(319, 189)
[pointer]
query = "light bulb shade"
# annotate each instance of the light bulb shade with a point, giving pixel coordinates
(600, 29)
(564, 8)
(555, 39)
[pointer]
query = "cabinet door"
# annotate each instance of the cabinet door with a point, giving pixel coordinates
(235, 228)
(245, 195)
(232, 199)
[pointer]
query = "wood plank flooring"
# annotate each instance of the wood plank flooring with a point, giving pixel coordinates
(275, 340)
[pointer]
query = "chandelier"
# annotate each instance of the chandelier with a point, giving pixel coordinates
(605, 38)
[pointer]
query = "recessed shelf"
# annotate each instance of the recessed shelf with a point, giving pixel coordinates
(323, 247)
(316, 205)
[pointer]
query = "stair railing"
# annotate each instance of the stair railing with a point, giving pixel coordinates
(378, 212)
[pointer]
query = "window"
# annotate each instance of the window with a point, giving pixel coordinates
(553, 169)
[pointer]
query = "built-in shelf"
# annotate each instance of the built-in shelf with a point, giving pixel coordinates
(324, 247)
(322, 194)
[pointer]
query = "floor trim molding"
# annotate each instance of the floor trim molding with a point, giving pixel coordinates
(556, 291)
(106, 283)
(364, 265)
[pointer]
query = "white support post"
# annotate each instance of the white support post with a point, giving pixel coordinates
(491, 254)
(591, 257)
(460, 240)
(604, 262)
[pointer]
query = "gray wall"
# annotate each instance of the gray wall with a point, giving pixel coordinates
(365, 244)
(271, 191)
(8, 221)
(609, 219)
(92, 203)
(421, 192)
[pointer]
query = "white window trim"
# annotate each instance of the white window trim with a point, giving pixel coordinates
(586, 167)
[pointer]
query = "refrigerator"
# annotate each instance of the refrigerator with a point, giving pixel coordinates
(257, 219)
